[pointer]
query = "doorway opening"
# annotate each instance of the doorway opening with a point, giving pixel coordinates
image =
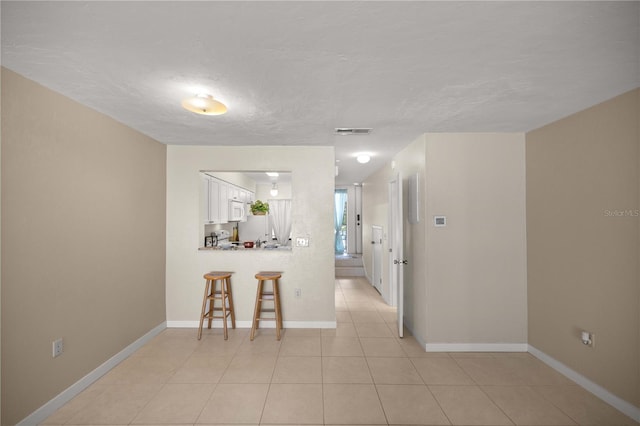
(347, 220)
(341, 200)
(347, 231)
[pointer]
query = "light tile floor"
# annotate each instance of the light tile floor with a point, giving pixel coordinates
(358, 373)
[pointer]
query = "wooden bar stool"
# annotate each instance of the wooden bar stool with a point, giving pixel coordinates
(264, 295)
(223, 294)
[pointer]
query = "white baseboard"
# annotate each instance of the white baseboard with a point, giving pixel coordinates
(65, 396)
(617, 402)
(476, 347)
(247, 324)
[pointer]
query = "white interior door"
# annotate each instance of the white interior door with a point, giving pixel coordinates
(396, 243)
(376, 244)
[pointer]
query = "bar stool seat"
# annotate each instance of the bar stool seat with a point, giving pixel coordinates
(222, 294)
(265, 295)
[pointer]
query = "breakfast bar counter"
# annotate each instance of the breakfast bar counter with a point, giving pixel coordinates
(242, 248)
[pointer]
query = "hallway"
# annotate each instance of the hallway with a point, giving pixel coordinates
(359, 373)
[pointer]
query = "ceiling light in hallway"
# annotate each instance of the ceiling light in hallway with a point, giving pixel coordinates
(363, 158)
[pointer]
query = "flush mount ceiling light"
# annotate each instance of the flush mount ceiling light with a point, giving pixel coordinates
(363, 158)
(272, 174)
(204, 104)
(274, 189)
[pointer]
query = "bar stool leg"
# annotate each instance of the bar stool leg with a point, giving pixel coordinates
(257, 310)
(204, 306)
(212, 302)
(230, 299)
(223, 296)
(276, 307)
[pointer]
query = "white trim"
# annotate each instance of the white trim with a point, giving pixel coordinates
(66, 395)
(476, 347)
(617, 402)
(247, 324)
(411, 333)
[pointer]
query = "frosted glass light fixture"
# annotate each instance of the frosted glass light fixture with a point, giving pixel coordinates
(274, 190)
(204, 104)
(363, 158)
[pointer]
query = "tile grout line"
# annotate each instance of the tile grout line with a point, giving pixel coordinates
(479, 386)
(264, 405)
(217, 383)
(439, 405)
(533, 387)
(375, 386)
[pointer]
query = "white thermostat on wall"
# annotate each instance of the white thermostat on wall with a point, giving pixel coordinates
(439, 221)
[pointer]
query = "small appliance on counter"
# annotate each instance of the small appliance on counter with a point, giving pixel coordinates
(221, 238)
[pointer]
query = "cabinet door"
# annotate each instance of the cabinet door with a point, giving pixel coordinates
(214, 201)
(204, 198)
(233, 192)
(223, 202)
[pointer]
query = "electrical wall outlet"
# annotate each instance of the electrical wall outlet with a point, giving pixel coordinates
(57, 347)
(588, 338)
(298, 293)
(302, 242)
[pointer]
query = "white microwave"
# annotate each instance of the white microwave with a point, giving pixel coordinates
(237, 211)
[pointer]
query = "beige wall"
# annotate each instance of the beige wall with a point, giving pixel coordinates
(309, 268)
(83, 221)
(476, 265)
(464, 284)
(582, 255)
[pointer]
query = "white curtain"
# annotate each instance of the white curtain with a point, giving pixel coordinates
(280, 214)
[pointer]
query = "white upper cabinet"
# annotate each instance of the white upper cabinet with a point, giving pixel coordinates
(234, 193)
(216, 197)
(223, 202)
(214, 204)
(204, 198)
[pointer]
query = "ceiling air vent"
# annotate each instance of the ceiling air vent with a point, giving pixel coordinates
(348, 131)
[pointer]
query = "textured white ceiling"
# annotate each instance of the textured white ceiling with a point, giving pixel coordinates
(290, 72)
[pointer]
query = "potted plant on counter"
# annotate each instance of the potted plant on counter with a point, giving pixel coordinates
(259, 208)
